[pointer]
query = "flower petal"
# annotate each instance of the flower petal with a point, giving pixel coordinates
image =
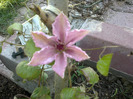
(60, 64)
(41, 39)
(76, 53)
(61, 26)
(44, 56)
(76, 35)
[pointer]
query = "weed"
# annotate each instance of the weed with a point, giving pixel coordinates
(8, 10)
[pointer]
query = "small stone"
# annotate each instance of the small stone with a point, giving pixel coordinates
(95, 8)
(101, 6)
(42, 5)
(77, 13)
(39, 1)
(19, 18)
(23, 11)
(91, 12)
(89, 0)
(72, 11)
(93, 16)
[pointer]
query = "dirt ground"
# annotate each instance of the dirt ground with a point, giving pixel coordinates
(8, 89)
(110, 87)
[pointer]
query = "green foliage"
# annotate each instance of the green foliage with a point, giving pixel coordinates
(27, 72)
(15, 27)
(8, 10)
(91, 76)
(30, 48)
(45, 97)
(52, 63)
(72, 93)
(0, 49)
(77, 72)
(41, 93)
(81, 96)
(76, 75)
(104, 63)
(68, 93)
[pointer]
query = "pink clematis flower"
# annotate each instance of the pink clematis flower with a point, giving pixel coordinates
(58, 47)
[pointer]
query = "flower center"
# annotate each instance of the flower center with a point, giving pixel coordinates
(60, 47)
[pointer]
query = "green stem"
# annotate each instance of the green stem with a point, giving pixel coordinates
(102, 52)
(28, 20)
(12, 43)
(69, 75)
(72, 6)
(90, 87)
(100, 48)
(40, 76)
(93, 4)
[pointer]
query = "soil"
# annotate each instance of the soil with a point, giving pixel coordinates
(8, 89)
(110, 87)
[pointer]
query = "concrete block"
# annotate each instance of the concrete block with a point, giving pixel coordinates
(120, 13)
(104, 34)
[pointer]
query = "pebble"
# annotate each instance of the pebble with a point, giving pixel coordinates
(23, 11)
(77, 14)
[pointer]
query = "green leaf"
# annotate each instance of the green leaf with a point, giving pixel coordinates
(69, 93)
(39, 92)
(52, 63)
(27, 72)
(15, 27)
(104, 63)
(30, 48)
(0, 49)
(82, 96)
(45, 97)
(73, 93)
(91, 76)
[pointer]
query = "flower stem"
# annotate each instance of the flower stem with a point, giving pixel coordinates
(10, 43)
(100, 48)
(90, 87)
(40, 76)
(102, 52)
(69, 75)
(13, 43)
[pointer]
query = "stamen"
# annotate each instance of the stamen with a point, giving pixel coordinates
(60, 47)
